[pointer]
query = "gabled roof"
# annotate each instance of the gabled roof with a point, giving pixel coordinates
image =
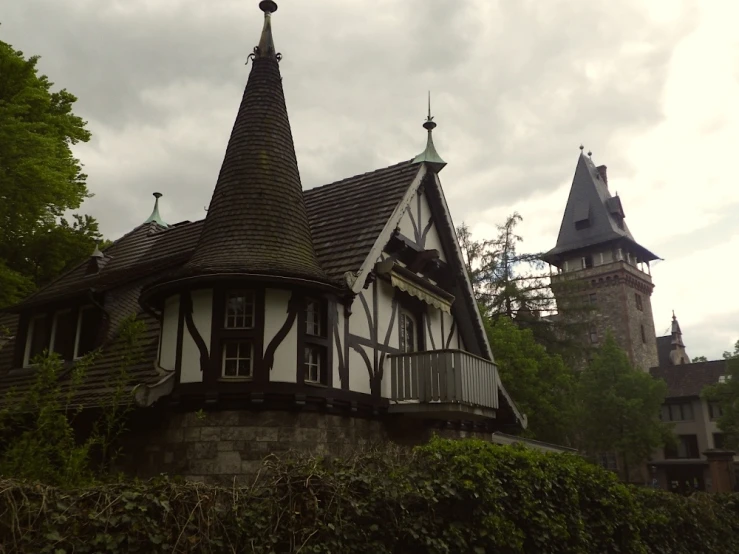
(346, 217)
(257, 221)
(592, 216)
(688, 380)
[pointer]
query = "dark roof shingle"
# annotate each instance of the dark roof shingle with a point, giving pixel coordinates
(688, 380)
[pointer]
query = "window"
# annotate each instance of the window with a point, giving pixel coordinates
(239, 310)
(639, 305)
(64, 333)
(593, 334)
(582, 224)
(714, 410)
(408, 332)
(608, 460)
(643, 334)
(316, 343)
(237, 359)
(88, 324)
(38, 338)
(677, 412)
(687, 447)
(313, 318)
(587, 262)
(314, 363)
(719, 440)
(593, 298)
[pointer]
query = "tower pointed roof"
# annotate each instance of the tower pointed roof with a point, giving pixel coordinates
(592, 215)
(677, 334)
(429, 156)
(257, 222)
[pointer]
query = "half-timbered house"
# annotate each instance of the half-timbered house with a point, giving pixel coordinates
(313, 319)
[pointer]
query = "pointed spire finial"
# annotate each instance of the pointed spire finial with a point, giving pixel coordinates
(581, 147)
(590, 154)
(155, 217)
(266, 48)
(673, 315)
(97, 253)
(430, 156)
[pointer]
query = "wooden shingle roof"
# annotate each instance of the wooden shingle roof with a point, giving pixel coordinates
(688, 380)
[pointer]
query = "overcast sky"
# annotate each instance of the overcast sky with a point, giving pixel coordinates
(650, 86)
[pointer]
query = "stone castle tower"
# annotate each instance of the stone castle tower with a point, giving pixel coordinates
(599, 264)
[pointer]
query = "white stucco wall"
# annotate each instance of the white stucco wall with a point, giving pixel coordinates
(275, 314)
(202, 314)
(421, 217)
(168, 336)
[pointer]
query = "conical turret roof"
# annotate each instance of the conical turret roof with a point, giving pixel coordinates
(257, 222)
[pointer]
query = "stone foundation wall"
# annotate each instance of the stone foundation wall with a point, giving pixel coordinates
(218, 446)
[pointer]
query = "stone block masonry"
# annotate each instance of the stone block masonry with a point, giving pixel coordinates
(222, 446)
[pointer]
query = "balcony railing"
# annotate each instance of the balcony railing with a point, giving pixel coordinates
(443, 381)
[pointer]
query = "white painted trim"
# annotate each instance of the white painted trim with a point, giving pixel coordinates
(79, 328)
(387, 231)
(29, 338)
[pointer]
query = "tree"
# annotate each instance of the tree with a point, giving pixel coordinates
(508, 283)
(620, 407)
(541, 384)
(40, 179)
(726, 395)
(699, 359)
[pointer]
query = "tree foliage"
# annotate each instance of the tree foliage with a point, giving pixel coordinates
(726, 395)
(446, 497)
(40, 179)
(620, 407)
(38, 435)
(542, 385)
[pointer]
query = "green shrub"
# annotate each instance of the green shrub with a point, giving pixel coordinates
(445, 497)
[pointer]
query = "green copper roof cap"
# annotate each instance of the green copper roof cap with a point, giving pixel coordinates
(430, 156)
(266, 48)
(155, 217)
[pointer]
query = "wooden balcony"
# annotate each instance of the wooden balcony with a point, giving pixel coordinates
(444, 384)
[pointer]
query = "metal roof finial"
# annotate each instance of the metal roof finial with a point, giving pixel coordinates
(430, 156)
(581, 147)
(266, 48)
(155, 217)
(590, 154)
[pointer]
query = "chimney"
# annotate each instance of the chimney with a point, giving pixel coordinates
(602, 172)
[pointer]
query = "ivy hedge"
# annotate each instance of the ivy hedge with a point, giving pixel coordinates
(444, 497)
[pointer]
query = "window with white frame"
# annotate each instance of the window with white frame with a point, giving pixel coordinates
(313, 318)
(315, 341)
(238, 356)
(38, 338)
(239, 310)
(64, 334)
(408, 332)
(314, 364)
(88, 325)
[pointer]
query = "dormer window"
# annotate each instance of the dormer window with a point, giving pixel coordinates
(70, 332)
(316, 343)
(38, 338)
(240, 310)
(88, 323)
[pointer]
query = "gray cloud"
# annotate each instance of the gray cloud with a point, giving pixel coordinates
(516, 87)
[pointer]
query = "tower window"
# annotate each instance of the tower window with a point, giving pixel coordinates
(639, 305)
(643, 335)
(593, 298)
(237, 359)
(593, 334)
(315, 364)
(240, 310)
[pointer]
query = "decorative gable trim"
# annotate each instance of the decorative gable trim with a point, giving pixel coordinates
(387, 231)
